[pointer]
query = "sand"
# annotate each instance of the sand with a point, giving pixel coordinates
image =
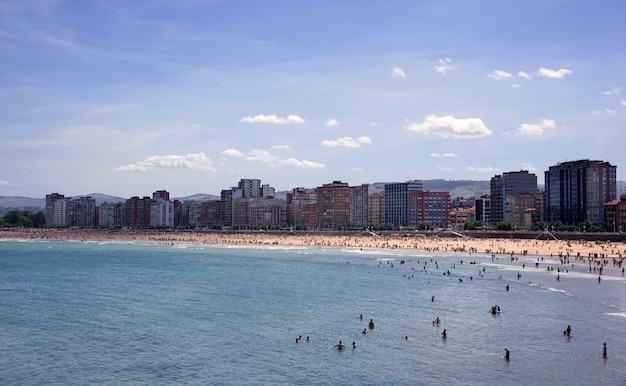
(559, 250)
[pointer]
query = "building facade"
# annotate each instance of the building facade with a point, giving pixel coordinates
(333, 205)
(576, 191)
(503, 188)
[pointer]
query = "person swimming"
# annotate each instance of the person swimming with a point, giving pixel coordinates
(567, 331)
(364, 331)
(444, 334)
(371, 324)
(339, 346)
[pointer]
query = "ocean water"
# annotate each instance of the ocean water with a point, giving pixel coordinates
(159, 314)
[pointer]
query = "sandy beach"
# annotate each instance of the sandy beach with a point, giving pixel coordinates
(557, 250)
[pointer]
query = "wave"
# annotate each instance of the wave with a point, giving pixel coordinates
(621, 313)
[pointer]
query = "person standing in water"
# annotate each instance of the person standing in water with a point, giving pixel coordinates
(339, 346)
(604, 350)
(507, 354)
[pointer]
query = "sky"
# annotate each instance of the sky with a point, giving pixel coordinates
(129, 97)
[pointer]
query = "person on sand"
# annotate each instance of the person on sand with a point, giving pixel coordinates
(339, 346)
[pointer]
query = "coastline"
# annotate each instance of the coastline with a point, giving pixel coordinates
(556, 250)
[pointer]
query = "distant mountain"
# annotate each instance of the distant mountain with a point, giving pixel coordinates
(458, 188)
(101, 197)
(8, 204)
(195, 197)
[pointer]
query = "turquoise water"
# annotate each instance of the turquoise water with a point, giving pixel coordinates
(150, 314)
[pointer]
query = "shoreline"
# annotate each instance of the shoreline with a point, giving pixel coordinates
(512, 247)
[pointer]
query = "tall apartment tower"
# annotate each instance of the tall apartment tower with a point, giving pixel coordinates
(397, 201)
(55, 213)
(376, 208)
(83, 212)
(250, 187)
(504, 188)
(358, 205)
(576, 191)
(161, 194)
(482, 209)
(333, 202)
(300, 203)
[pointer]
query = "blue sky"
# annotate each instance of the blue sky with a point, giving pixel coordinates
(129, 97)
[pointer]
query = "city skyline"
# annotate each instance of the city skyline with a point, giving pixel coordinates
(126, 98)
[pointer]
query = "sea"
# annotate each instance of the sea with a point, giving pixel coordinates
(148, 313)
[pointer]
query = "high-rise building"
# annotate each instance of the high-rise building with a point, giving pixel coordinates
(376, 208)
(358, 205)
(504, 187)
(161, 213)
(300, 203)
(109, 214)
(57, 210)
(250, 187)
(429, 207)
(482, 209)
(333, 205)
(137, 212)
(576, 191)
(397, 201)
(83, 212)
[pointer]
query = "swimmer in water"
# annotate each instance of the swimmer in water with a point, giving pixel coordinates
(339, 346)
(371, 324)
(567, 331)
(444, 334)
(507, 354)
(364, 331)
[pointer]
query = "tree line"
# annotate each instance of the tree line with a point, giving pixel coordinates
(23, 219)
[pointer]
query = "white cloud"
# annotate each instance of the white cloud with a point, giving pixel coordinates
(4, 183)
(260, 155)
(613, 91)
(623, 102)
(332, 122)
(516, 85)
(558, 74)
(397, 72)
(445, 168)
(261, 118)
(524, 75)
(527, 166)
(281, 147)
(444, 66)
(347, 142)
(501, 75)
(449, 126)
(304, 164)
(232, 153)
(486, 169)
(196, 161)
(538, 129)
(444, 155)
